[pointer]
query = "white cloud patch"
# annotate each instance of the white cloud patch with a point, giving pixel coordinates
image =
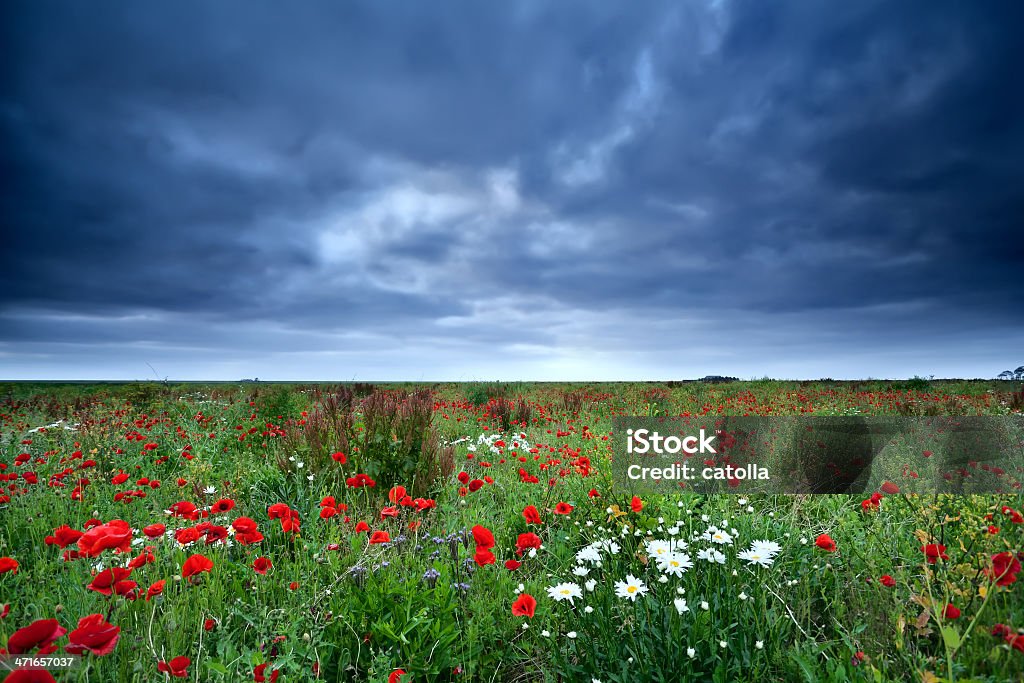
(577, 166)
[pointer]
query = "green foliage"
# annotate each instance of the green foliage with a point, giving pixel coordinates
(918, 383)
(278, 403)
(479, 393)
(145, 396)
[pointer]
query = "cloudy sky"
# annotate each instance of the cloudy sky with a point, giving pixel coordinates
(514, 190)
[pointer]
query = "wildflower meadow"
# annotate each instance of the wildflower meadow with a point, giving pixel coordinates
(473, 532)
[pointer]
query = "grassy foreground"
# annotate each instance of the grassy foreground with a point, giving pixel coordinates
(472, 533)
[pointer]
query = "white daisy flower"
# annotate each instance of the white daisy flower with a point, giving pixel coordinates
(718, 536)
(752, 556)
(565, 591)
(631, 588)
(681, 605)
(711, 555)
(766, 547)
(675, 563)
(657, 549)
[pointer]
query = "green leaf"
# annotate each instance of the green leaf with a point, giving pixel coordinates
(217, 667)
(805, 668)
(951, 637)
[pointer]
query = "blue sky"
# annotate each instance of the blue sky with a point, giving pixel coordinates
(520, 190)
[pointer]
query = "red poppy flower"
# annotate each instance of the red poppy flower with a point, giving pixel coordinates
(278, 511)
(887, 581)
(154, 530)
(177, 667)
(261, 565)
(63, 536)
(359, 481)
(249, 538)
(187, 535)
(209, 624)
(531, 515)
(114, 535)
(379, 537)
(396, 494)
(1005, 568)
(30, 675)
(512, 565)
(396, 676)
(222, 505)
(825, 542)
(244, 525)
(524, 606)
(475, 485)
(39, 634)
(484, 557)
(328, 512)
(196, 564)
(156, 589)
(362, 527)
(890, 488)
(104, 582)
(1000, 631)
(526, 541)
(8, 564)
(934, 551)
(951, 612)
(563, 509)
(483, 537)
(215, 533)
(183, 508)
(259, 674)
(339, 458)
(94, 634)
(636, 505)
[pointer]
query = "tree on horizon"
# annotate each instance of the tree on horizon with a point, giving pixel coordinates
(1012, 374)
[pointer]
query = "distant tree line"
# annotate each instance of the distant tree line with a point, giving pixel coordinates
(1012, 374)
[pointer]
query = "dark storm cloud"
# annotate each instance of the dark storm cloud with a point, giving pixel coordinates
(526, 180)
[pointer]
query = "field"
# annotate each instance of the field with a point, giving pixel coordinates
(472, 532)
